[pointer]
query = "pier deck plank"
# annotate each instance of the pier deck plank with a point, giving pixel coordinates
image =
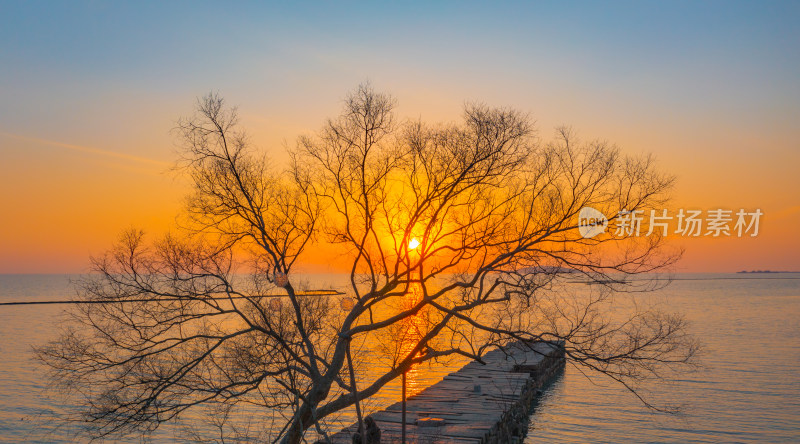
(469, 415)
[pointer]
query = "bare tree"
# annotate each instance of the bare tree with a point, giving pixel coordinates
(459, 234)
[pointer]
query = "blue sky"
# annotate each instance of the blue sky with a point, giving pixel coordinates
(734, 54)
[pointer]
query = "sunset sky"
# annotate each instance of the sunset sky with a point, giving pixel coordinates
(90, 90)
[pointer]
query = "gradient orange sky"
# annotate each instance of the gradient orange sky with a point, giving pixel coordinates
(89, 93)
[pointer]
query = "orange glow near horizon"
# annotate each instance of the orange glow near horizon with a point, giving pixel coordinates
(64, 202)
(65, 207)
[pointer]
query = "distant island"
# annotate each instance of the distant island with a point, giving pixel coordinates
(766, 271)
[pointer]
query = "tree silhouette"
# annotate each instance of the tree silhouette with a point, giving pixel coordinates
(462, 232)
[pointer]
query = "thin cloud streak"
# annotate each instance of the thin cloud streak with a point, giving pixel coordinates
(86, 149)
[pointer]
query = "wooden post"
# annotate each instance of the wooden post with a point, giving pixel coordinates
(355, 394)
(403, 439)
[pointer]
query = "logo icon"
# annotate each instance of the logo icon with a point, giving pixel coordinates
(591, 222)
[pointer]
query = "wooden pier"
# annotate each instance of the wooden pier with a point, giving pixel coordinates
(477, 404)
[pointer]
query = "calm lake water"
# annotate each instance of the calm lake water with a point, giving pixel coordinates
(748, 389)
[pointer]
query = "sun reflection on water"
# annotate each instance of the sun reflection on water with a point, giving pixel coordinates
(412, 330)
